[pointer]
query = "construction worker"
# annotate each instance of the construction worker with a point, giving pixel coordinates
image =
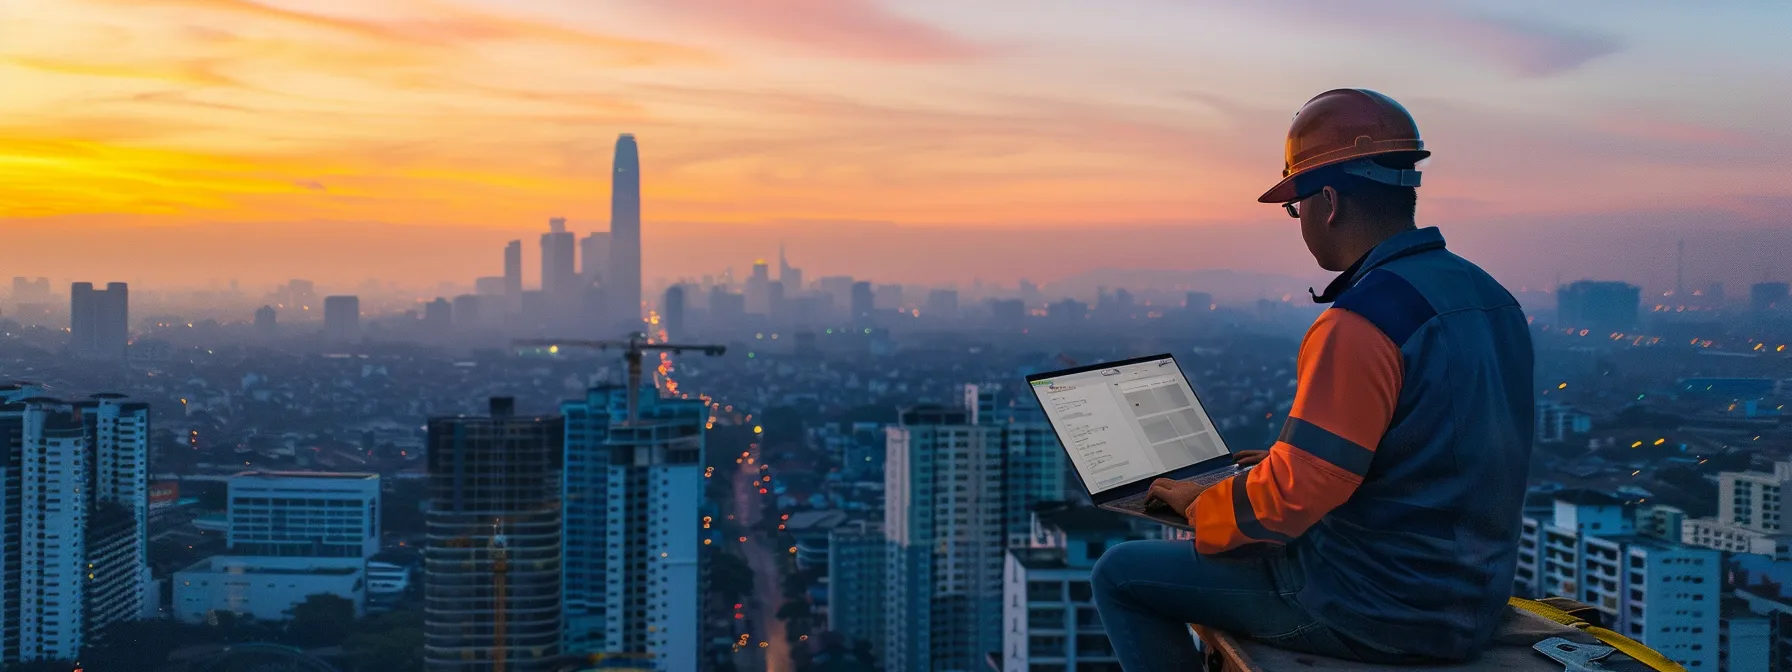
(1382, 525)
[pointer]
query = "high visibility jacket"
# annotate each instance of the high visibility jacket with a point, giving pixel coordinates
(1398, 480)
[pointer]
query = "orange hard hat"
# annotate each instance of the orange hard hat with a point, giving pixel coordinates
(1346, 125)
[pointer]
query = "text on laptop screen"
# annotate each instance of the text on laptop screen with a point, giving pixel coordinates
(1122, 424)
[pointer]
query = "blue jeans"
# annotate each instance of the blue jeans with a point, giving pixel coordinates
(1149, 591)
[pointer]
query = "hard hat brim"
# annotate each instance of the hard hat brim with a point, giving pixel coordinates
(1285, 190)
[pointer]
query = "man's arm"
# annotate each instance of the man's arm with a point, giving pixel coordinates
(1350, 374)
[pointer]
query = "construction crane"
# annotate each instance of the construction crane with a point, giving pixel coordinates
(632, 350)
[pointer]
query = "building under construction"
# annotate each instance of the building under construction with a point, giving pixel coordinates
(492, 562)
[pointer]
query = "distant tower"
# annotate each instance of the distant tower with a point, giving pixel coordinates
(594, 257)
(759, 288)
(99, 321)
(863, 302)
(674, 308)
(513, 274)
(559, 272)
(1680, 273)
(265, 321)
(791, 277)
(625, 230)
(438, 315)
(342, 316)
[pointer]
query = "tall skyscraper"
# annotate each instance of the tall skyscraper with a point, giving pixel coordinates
(759, 289)
(513, 275)
(838, 288)
(559, 269)
(1197, 302)
(631, 498)
(438, 315)
(594, 258)
(857, 558)
(725, 307)
(493, 543)
(342, 317)
(942, 303)
(863, 303)
(625, 231)
(302, 294)
(1768, 296)
(494, 286)
(958, 485)
(673, 319)
(73, 565)
(792, 277)
(1598, 306)
(99, 321)
(467, 309)
(266, 321)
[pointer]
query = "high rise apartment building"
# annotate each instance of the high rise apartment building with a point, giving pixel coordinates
(632, 491)
(1658, 591)
(594, 258)
(559, 264)
(513, 270)
(73, 544)
(857, 557)
(958, 485)
(493, 546)
(1049, 618)
(1602, 307)
(1749, 514)
(673, 309)
(342, 317)
(99, 321)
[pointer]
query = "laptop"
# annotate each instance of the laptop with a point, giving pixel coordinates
(1125, 424)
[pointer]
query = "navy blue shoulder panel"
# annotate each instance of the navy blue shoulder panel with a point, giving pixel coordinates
(1389, 302)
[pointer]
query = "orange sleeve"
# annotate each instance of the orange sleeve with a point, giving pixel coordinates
(1349, 381)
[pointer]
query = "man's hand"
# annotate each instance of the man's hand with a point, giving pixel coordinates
(1178, 494)
(1245, 458)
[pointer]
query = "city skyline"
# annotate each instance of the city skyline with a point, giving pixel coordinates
(204, 141)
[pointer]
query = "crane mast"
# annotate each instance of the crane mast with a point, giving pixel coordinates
(632, 351)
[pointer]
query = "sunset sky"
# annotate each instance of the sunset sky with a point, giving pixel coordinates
(243, 127)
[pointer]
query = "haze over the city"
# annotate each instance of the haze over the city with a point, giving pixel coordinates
(921, 141)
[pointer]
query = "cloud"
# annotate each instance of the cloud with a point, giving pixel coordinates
(313, 185)
(1529, 48)
(187, 73)
(452, 28)
(1525, 47)
(848, 28)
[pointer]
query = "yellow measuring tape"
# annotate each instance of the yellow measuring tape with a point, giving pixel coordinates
(1625, 645)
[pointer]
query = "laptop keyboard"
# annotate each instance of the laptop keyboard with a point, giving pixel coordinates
(1207, 480)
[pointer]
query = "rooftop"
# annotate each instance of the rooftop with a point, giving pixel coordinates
(255, 566)
(1072, 519)
(1039, 558)
(1647, 542)
(1585, 497)
(343, 476)
(804, 521)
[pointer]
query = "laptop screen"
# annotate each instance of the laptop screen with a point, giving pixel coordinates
(1129, 421)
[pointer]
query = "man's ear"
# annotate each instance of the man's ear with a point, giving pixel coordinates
(1332, 205)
